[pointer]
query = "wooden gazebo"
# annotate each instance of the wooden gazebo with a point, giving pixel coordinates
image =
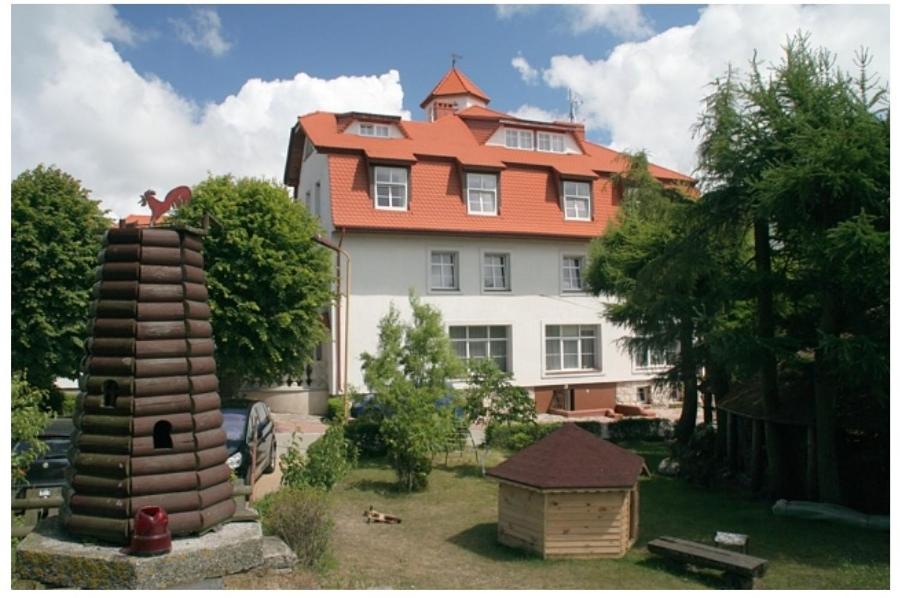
(569, 495)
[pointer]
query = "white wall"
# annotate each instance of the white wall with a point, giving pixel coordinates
(386, 266)
(570, 146)
(315, 170)
(462, 102)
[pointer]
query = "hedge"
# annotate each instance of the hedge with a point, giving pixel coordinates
(515, 437)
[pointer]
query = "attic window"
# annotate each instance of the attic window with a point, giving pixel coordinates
(550, 142)
(519, 139)
(373, 130)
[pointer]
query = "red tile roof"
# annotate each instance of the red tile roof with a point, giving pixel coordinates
(571, 458)
(455, 83)
(136, 221)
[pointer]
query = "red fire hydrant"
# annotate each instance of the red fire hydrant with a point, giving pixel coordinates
(151, 535)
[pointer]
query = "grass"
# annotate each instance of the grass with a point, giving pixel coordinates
(448, 538)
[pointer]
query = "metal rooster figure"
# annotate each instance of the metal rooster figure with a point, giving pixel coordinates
(175, 197)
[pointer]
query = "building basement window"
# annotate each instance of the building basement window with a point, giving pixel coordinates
(482, 342)
(481, 194)
(391, 188)
(571, 347)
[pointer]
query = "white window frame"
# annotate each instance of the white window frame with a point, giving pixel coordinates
(488, 339)
(574, 190)
(390, 183)
(514, 139)
(650, 365)
(454, 263)
(506, 267)
(471, 177)
(550, 142)
(579, 337)
(580, 269)
(379, 130)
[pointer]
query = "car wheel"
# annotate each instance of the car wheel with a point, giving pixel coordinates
(272, 459)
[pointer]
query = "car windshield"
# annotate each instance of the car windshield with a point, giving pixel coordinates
(233, 424)
(57, 446)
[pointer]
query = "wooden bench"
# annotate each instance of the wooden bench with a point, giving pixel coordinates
(740, 569)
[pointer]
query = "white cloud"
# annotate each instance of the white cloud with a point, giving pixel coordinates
(529, 112)
(202, 31)
(625, 21)
(529, 74)
(508, 11)
(648, 95)
(77, 104)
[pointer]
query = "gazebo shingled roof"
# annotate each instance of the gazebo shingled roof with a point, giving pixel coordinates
(571, 457)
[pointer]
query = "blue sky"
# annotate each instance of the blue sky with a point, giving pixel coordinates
(130, 97)
(271, 42)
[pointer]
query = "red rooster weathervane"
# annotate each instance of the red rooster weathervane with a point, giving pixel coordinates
(175, 197)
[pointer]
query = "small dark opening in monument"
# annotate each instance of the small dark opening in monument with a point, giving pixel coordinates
(110, 393)
(162, 435)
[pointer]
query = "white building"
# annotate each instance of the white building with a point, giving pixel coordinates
(486, 216)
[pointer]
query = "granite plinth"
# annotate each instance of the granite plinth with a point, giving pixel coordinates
(51, 556)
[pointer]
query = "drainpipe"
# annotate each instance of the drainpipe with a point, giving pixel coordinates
(342, 371)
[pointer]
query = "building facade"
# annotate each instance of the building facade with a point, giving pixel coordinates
(484, 215)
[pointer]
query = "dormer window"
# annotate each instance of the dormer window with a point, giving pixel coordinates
(519, 139)
(374, 130)
(391, 186)
(577, 200)
(550, 142)
(481, 194)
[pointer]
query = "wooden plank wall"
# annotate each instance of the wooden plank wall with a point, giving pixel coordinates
(587, 524)
(520, 521)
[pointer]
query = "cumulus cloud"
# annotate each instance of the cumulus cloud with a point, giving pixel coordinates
(77, 104)
(625, 21)
(202, 30)
(529, 112)
(507, 11)
(529, 74)
(648, 95)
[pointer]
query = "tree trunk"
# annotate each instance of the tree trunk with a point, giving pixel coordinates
(707, 408)
(685, 427)
(826, 407)
(769, 369)
(718, 383)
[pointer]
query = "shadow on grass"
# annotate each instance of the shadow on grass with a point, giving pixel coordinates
(377, 486)
(704, 576)
(481, 539)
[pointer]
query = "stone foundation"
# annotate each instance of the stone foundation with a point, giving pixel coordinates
(630, 393)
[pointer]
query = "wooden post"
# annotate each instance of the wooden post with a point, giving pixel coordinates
(756, 454)
(811, 480)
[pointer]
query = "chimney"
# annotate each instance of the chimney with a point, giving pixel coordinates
(442, 109)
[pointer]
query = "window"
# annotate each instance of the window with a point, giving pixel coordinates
(577, 200)
(308, 148)
(495, 272)
(444, 272)
(550, 142)
(655, 358)
(482, 342)
(481, 191)
(317, 210)
(571, 347)
(573, 273)
(517, 138)
(390, 188)
(373, 130)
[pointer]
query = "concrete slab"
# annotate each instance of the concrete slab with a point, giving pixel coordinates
(277, 554)
(51, 556)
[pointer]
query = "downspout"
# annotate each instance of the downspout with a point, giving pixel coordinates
(342, 371)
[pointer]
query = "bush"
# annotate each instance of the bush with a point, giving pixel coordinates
(697, 458)
(299, 516)
(365, 436)
(28, 421)
(335, 410)
(515, 437)
(328, 460)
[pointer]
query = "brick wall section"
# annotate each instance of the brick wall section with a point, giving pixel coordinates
(529, 202)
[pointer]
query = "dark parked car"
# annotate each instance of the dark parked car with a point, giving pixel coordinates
(247, 425)
(48, 473)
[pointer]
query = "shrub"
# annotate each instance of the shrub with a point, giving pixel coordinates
(515, 437)
(335, 409)
(299, 516)
(328, 460)
(697, 457)
(28, 421)
(365, 436)
(640, 429)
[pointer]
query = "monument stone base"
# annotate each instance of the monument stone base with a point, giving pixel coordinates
(51, 556)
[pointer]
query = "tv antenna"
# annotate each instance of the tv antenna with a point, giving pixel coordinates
(574, 103)
(453, 58)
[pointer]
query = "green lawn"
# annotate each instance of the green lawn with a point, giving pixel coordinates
(448, 539)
